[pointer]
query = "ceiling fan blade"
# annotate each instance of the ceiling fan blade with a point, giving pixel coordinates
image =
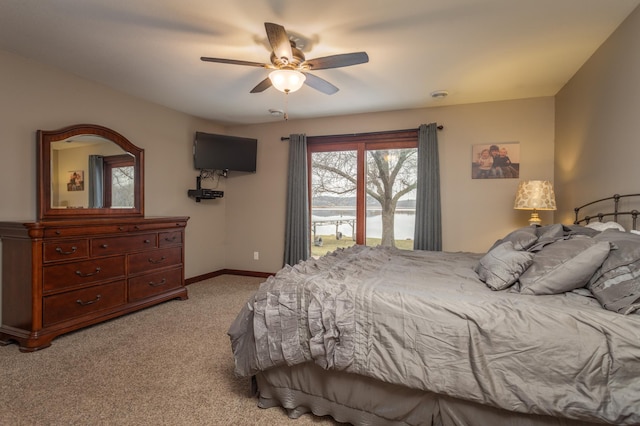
(337, 61)
(262, 86)
(234, 62)
(279, 41)
(320, 84)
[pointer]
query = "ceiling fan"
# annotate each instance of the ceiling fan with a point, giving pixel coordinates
(290, 68)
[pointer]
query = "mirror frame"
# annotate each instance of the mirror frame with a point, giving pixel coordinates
(46, 137)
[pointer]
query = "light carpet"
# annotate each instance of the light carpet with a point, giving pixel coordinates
(170, 364)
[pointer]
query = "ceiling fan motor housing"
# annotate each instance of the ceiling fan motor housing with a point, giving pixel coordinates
(289, 63)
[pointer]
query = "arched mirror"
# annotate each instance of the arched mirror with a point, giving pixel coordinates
(87, 170)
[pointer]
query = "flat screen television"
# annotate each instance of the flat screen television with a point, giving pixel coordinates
(223, 152)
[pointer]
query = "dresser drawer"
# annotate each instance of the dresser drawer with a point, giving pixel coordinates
(148, 285)
(154, 259)
(169, 238)
(65, 250)
(124, 244)
(86, 301)
(57, 277)
(158, 225)
(93, 229)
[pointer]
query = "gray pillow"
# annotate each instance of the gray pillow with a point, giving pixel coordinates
(547, 234)
(580, 230)
(553, 232)
(564, 266)
(616, 284)
(521, 238)
(502, 266)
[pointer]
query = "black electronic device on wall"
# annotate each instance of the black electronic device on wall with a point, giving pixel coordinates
(201, 193)
(205, 194)
(224, 153)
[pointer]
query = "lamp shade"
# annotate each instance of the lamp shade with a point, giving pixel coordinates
(535, 195)
(287, 81)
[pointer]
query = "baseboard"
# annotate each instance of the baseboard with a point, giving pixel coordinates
(203, 277)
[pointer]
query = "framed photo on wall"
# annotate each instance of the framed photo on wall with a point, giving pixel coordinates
(495, 161)
(76, 180)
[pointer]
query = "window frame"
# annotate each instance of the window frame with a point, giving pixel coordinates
(361, 143)
(109, 163)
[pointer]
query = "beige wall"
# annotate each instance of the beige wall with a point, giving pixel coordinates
(475, 212)
(598, 124)
(38, 97)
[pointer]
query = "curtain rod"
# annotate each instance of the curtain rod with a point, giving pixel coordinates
(439, 127)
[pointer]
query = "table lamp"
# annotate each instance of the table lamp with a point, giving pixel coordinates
(535, 195)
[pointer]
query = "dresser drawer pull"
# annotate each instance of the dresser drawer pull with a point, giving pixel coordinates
(89, 302)
(104, 245)
(73, 250)
(163, 282)
(147, 241)
(170, 239)
(88, 274)
(162, 259)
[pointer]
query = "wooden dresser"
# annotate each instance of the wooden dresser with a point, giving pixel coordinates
(61, 275)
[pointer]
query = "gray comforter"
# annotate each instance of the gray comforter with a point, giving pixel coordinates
(425, 320)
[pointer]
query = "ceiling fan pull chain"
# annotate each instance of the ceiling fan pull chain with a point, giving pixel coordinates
(286, 106)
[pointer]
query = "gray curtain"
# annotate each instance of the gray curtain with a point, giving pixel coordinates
(297, 232)
(96, 184)
(428, 232)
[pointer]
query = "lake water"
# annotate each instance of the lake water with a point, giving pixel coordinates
(404, 223)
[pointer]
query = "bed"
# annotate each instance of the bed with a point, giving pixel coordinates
(542, 329)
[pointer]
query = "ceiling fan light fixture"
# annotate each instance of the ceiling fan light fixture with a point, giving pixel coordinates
(287, 81)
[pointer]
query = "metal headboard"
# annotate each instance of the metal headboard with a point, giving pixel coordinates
(616, 211)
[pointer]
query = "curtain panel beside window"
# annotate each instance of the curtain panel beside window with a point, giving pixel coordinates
(428, 230)
(297, 227)
(96, 181)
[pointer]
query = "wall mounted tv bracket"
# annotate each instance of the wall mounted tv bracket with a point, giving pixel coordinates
(203, 193)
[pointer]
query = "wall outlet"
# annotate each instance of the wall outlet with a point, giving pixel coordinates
(256, 255)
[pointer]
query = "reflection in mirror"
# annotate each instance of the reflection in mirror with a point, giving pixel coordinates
(118, 175)
(102, 184)
(88, 170)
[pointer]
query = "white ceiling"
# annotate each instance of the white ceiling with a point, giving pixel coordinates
(477, 50)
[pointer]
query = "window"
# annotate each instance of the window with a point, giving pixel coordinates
(119, 180)
(362, 189)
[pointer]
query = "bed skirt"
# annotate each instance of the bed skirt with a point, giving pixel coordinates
(359, 400)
